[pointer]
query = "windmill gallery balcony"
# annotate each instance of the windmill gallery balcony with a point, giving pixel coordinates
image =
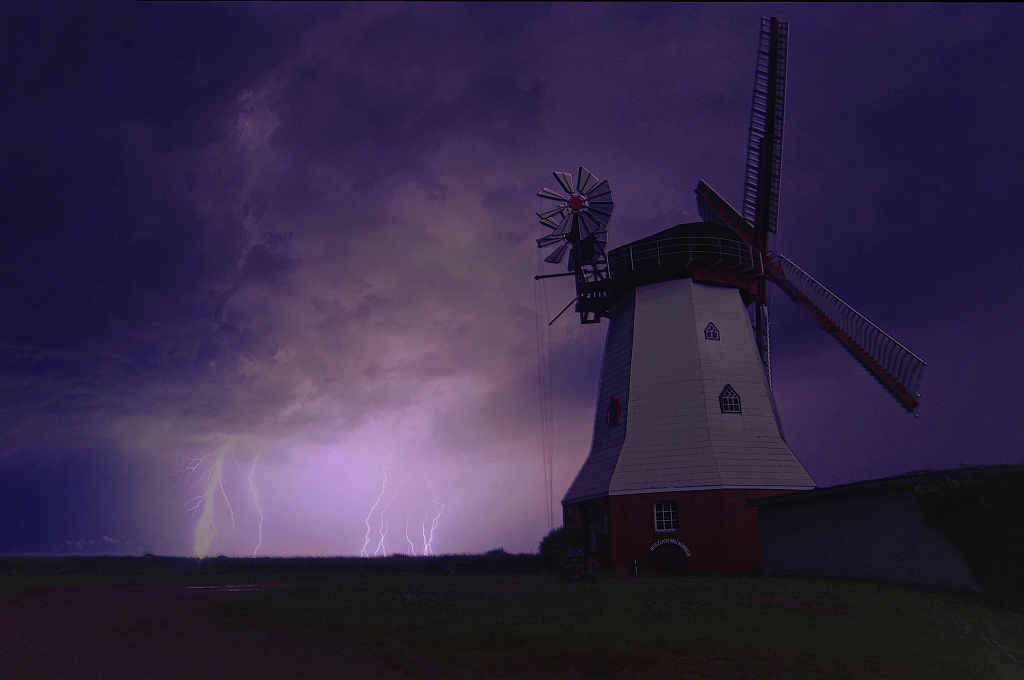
(673, 257)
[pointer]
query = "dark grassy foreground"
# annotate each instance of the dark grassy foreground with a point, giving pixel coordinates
(499, 616)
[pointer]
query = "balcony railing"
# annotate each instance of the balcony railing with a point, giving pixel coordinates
(678, 257)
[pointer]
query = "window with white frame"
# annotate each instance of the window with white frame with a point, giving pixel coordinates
(729, 400)
(666, 516)
(711, 332)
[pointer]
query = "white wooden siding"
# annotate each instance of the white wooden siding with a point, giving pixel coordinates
(593, 478)
(676, 436)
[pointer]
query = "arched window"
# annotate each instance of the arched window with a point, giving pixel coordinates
(666, 516)
(729, 400)
(614, 412)
(711, 332)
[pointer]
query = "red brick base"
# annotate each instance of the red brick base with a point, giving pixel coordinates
(717, 528)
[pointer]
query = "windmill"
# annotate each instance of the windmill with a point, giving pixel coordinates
(686, 430)
(579, 226)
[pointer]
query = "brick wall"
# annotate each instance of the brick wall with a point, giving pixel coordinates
(589, 519)
(721, 533)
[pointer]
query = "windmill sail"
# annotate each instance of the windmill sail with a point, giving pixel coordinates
(764, 144)
(713, 208)
(764, 156)
(898, 369)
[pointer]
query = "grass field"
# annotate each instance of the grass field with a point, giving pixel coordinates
(480, 622)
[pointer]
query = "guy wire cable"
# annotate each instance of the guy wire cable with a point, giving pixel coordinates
(544, 384)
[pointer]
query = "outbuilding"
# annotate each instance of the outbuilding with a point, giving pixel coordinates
(875, 529)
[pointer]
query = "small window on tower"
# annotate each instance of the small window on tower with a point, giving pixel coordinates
(729, 400)
(614, 412)
(711, 332)
(666, 516)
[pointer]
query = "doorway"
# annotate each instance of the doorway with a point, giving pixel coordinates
(669, 558)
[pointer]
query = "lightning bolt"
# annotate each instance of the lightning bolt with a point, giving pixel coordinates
(383, 486)
(227, 500)
(423, 529)
(384, 525)
(438, 507)
(208, 473)
(256, 501)
(206, 528)
(409, 540)
(382, 505)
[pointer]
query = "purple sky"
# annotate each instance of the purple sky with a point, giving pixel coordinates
(306, 233)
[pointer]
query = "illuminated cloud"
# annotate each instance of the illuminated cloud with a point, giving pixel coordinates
(311, 229)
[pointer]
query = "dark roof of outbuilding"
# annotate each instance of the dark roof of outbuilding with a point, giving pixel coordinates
(895, 483)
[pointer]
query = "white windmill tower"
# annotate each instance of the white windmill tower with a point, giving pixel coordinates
(686, 429)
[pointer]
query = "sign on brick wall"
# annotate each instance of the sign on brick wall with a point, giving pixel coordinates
(658, 544)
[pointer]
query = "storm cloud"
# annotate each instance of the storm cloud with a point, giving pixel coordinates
(310, 229)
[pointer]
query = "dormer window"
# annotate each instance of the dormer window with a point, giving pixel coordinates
(711, 332)
(729, 400)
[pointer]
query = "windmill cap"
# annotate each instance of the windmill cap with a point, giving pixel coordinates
(708, 229)
(703, 251)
